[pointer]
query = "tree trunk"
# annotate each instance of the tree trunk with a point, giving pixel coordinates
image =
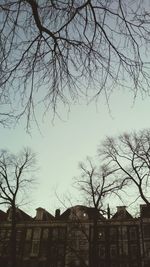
(94, 252)
(13, 237)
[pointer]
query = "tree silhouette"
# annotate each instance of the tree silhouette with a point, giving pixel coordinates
(130, 154)
(98, 184)
(15, 177)
(54, 51)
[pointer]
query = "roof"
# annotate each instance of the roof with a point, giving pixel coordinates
(81, 212)
(43, 215)
(21, 216)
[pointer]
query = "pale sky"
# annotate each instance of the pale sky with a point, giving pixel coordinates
(65, 142)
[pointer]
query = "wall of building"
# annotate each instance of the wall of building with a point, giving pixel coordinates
(67, 240)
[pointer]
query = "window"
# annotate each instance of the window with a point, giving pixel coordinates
(28, 234)
(53, 251)
(113, 251)
(5, 248)
(101, 252)
(36, 233)
(43, 248)
(35, 248)
(55, 234)
(147, 249)
(62, 233)
(45, 234)
(125, 251)
(61, 251)
(18, 234)
(133, 251)
(124, 233)
(36, 242)
(27, 249)
(113, 233)
(2, 234)
(44, 243)
(58, 233)
(133, 233)
(101, 234)
(8, 234)
(18, 249)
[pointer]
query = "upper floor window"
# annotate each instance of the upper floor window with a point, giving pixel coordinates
(101, 234)
(19, 234)
(29, 234)
(45, 234)
(122, 233)
(58, 233)
(2, 234)
(36, 233)
(133, 233)
(113, 234)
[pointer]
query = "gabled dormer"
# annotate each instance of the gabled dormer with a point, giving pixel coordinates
(122, 214)
(43, 215)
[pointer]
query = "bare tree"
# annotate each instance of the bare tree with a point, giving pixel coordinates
(98, 184)
(15, 177)
(130, 153)
(54, 51)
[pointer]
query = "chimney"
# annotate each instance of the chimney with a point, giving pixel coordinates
(108, 211)
(57, 213)
(39, 214)
(121, 208)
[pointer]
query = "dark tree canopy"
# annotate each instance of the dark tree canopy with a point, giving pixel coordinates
(54, 50)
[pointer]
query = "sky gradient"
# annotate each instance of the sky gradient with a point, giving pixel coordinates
(64, 143)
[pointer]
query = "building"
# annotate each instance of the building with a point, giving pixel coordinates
(77, 237)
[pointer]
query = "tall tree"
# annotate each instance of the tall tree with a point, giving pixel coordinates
(97, 185)
(15, 177)
(53, 50)
(130, 154)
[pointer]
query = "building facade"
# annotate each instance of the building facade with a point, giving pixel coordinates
(79, 237)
